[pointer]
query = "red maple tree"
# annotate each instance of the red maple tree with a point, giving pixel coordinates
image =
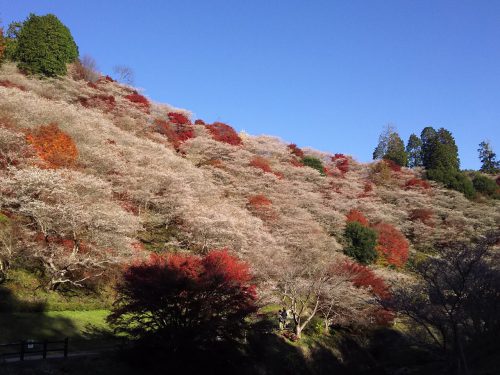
(184, 299)
(392, 245)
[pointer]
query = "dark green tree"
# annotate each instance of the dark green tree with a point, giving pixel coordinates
(391, 147)
(361, 242)
(414, 151)
(45, 46)
(314, 163)
(488, 158)
(396, 150)
(440, 158)
(486, 186)
(428, 138)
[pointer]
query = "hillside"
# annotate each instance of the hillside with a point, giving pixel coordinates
(94, 176)
(200, 196)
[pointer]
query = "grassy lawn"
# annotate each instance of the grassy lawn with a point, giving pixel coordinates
(86, 329)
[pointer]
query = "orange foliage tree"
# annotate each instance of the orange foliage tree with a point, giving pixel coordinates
(392, 245)
(54, 146)
(355, 215)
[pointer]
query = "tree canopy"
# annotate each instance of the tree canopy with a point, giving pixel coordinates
(44, 46)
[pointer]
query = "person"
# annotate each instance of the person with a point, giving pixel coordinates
(282, 316)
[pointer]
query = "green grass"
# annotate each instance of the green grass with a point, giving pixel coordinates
(84, 328)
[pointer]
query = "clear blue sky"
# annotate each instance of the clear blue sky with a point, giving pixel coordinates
(326, 74)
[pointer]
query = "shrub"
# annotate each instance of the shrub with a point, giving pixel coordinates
(259, 201)
(261, 206)
(176, 133)
(105, 102)
(343, 166)
(45, 46)
(392, 246)
(417, 183)
(224, 133)
(314, 163)
(425, 215)
(199, 122)
(185, 301)
(455, 180)
(395, 167)
(139, 99)
(361, 242)
(363, 277)
(178, 118)
(295, 150)
(498, 180)
(338, 156)
(486, 186)
(261, 163)
(54, 146)
(357, 216)
(380, 173)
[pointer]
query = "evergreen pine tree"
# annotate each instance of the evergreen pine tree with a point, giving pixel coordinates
(414, 151)
(45, 46)
(488, 158)
(428, 138)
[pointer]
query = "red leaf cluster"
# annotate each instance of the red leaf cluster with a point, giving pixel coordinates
(295, 150)
(338, 156)
(341, 162)
(139, 99)
(261, 163)
(363, 277)
(224, 133)
(176, 133)
(53, 146)
(259, 201)
(417, 183)
(66, 243)
(199, 122)
(105, 102)
(261, 206)
(425, 215)
(392, 245)
(357, 216)
(11, 85)
(178, 118)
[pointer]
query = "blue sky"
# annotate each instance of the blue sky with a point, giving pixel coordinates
(326, 74)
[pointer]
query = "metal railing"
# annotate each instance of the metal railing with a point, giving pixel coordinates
(33, 348)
